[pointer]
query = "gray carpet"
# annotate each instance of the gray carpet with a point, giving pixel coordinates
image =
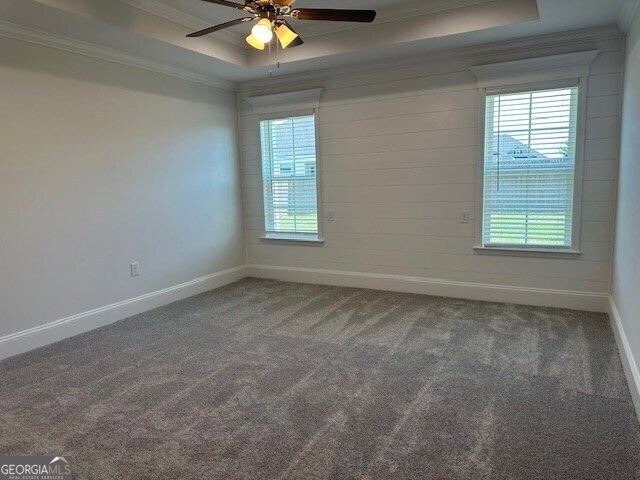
(265, 379)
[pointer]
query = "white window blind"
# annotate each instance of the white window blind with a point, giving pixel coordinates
(289, 175)
(529, 168)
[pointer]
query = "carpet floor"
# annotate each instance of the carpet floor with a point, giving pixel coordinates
(265, 379)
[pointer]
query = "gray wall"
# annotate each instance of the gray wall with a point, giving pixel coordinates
(626, 262)
(101, 165)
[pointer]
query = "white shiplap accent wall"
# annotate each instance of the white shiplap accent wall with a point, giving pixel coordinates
(398, 152)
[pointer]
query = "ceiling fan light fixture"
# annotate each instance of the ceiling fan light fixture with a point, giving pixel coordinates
(262, 31)
(272, 15)
(285, 35)
(254, 42)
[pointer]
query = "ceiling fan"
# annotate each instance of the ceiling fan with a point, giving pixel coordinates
(272, 18)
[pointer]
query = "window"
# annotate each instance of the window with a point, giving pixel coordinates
(529, 168)
(529, 190)
(290, 192)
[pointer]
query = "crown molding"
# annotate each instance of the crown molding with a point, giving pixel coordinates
(477, 54)
(628, 14)
(160, 9)
(19, 32)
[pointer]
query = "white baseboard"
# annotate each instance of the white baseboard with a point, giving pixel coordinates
(593, 302)
(26, 340)
(628, 361)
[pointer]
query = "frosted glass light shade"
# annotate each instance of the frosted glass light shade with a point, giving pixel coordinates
(262, 31)
(254, 42)
(285, 35)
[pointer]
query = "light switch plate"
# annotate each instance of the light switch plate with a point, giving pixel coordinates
(135, 269)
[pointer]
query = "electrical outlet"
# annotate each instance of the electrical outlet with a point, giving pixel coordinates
(464, 216)
(331, 215)
(135, 269)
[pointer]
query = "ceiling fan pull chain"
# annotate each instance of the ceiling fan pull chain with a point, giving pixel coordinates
(269, 53)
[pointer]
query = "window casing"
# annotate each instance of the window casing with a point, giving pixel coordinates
(529, 168)
(287, 125)
(569, 73)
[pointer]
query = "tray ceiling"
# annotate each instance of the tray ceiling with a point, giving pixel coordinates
(156, 29)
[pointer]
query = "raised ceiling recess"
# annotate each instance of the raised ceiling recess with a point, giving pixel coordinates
(154, 32)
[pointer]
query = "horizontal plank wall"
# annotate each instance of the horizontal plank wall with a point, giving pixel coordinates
(398, 152)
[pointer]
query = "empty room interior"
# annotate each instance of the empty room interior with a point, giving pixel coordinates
(319, 239)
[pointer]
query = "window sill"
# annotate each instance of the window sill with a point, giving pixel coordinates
(528, 252)
(292, 238)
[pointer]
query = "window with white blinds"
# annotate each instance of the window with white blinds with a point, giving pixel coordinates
(289, 172)
(529, 168)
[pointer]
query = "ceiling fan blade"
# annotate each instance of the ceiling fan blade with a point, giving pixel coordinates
(334, 15)
(215, 28)
(237, 6)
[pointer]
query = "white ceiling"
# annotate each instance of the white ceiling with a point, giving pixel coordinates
(156, 29)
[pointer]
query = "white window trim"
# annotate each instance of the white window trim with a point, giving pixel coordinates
(290, 104)
(558, 71)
